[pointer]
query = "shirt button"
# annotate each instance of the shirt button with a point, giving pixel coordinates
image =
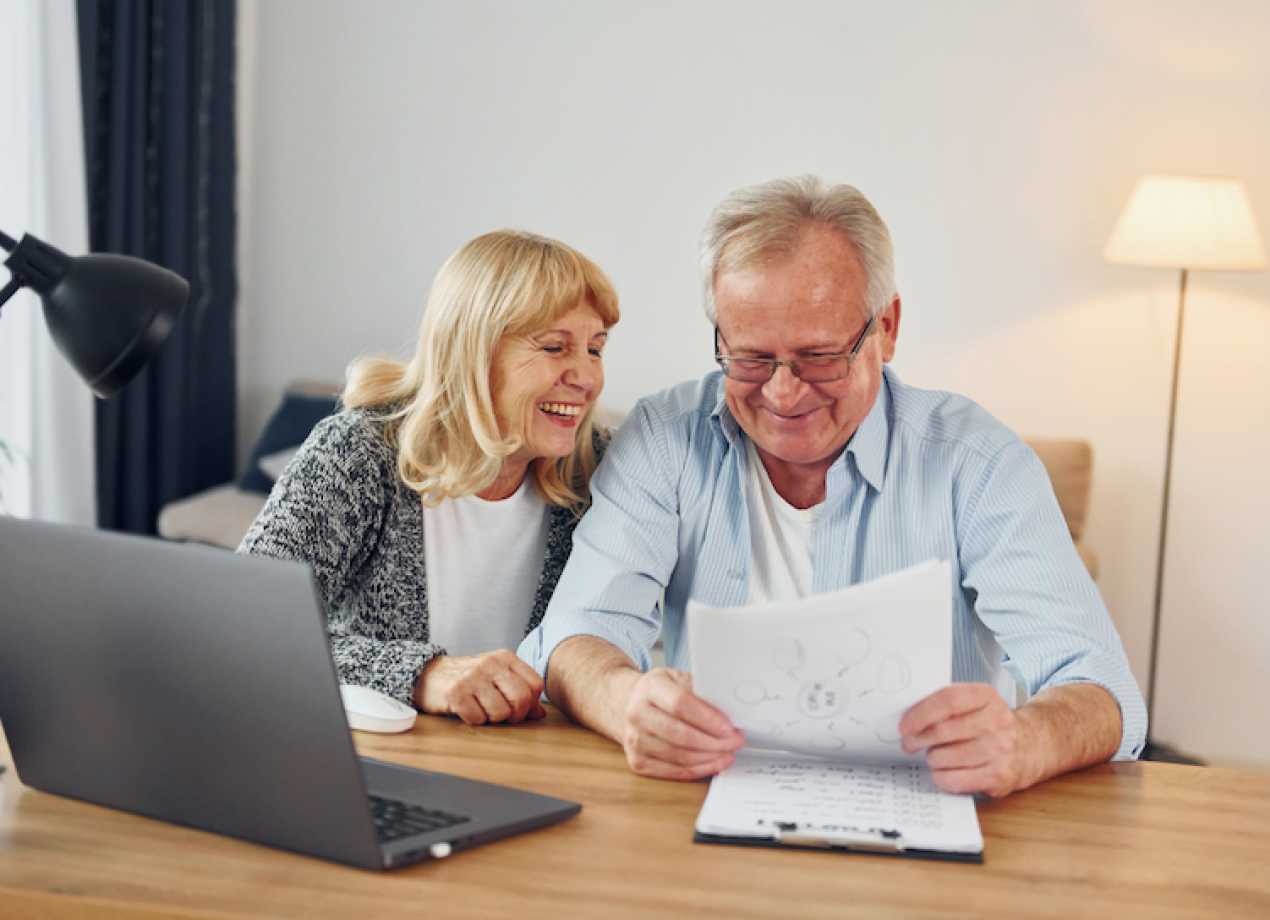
(736, 573)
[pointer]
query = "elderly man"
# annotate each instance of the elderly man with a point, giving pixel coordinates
(802, 467)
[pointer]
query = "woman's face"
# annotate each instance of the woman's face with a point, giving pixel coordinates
(548, 379)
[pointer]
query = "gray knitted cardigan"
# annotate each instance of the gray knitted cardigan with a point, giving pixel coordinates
(342, 507)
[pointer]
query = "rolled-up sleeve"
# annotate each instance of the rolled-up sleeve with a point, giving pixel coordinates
(1034, 593)
(624, 550)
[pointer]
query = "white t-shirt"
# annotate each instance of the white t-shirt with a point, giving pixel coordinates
(782, 539)
(483, 562)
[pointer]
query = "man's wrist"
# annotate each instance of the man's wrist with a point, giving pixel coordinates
(1065, 728)
(591, 679)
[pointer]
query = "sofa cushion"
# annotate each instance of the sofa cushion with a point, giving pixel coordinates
(1070, 463)
(302, 407)
(218, 516)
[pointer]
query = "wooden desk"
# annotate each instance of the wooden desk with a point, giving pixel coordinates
(1149, 840)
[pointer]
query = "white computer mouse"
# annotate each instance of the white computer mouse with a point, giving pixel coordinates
(371, 711)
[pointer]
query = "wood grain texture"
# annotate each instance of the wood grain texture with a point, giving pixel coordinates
(1124, 840)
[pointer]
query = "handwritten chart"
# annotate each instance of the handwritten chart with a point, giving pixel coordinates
(831, 674)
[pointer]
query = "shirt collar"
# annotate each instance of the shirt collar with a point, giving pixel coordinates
(724, 421)
(869, 443)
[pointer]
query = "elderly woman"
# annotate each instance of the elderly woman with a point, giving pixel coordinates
(437, 509)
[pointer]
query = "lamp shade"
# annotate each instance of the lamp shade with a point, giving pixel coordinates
(107, 314)
(1187, 222)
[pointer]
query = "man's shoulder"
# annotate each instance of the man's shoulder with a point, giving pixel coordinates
(941, 416)
(690, 403)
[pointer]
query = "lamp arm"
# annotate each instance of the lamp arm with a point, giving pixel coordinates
(15, 282)
(10, 289)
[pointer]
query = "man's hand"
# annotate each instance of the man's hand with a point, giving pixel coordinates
(665, 730)
(971, 739)
(975, 742)
(494, 687)
(670, 733)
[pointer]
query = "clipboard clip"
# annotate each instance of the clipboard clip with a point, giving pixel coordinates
(830, 837)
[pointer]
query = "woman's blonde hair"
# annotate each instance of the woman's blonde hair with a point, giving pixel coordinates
(438, 407)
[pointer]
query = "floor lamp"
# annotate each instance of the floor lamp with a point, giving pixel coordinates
(1182, 222)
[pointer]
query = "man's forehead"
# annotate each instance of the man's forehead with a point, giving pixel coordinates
(746, 306)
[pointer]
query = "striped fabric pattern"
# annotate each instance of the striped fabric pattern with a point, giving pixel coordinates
(927, 475)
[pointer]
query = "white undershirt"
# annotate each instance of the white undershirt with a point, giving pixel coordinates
(782, 539)
(483, 562)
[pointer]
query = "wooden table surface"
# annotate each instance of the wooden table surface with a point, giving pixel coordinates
(1127, 840)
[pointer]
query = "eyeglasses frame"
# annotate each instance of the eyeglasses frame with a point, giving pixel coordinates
(722, 359)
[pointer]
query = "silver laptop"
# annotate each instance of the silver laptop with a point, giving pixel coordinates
(194, 685)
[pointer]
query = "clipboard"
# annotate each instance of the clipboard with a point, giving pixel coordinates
(778, 800)
(893, 847)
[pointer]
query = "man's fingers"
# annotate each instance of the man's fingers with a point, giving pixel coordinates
(944, 704)
(970, 736)
(957, 713)
(668, 730)
(657, 768)
(672, 734)
(670, 692)
(994, 779)
(952, 731)
(655, 748)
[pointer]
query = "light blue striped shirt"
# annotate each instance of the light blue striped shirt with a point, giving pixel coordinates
(926, 475)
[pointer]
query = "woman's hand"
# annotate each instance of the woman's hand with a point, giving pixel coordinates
(493, 687)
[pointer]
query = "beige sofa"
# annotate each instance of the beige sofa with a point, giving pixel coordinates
(1070, 463)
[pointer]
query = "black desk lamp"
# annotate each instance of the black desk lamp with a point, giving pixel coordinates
(108, 314)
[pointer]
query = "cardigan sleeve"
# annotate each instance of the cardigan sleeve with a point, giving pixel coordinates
(333, 507)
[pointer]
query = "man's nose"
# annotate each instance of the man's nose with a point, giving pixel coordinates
(783, 388)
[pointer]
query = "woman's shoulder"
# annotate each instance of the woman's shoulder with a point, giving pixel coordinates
(353, 438)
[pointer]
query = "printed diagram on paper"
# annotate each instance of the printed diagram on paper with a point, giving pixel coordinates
(829, 675)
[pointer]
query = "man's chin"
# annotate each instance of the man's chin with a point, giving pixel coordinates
(795, 452)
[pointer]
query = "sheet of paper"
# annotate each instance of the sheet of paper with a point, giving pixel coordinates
(831, 674)
(766, 790)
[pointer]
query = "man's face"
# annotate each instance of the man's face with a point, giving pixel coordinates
(806, 305)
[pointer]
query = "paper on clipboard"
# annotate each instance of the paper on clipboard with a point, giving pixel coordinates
(811, 801)
(829, 675)
(822, 684)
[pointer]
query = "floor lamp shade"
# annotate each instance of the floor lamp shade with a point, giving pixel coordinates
(1187, 222)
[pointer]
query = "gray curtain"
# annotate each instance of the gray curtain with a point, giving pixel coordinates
(158, 80)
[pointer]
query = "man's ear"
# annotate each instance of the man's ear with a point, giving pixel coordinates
(889, 328)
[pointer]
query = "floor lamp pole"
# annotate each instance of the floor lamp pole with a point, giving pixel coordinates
(1164, 513)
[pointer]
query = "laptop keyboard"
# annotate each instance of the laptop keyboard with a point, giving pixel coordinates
(394, 820)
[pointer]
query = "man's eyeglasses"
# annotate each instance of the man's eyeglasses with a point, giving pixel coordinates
(818, 369)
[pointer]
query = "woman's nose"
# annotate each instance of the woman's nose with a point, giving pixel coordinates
(586, 371)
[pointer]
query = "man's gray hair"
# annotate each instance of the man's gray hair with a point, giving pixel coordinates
(769, 220)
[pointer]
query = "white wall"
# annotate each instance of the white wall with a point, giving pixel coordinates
(998, 139)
